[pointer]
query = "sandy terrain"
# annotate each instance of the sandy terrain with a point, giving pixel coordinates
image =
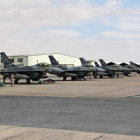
(23, 133)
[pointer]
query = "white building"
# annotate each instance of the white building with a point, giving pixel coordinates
(29, 60)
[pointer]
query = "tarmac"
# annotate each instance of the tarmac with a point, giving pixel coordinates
(121, 87)
(101, 109)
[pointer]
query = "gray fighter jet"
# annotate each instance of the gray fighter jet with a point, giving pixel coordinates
(34, 73)
(100, 71)
(120, 69)
(75, 72)
(109, 71)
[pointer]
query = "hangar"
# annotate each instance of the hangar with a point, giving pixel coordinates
(28, 60)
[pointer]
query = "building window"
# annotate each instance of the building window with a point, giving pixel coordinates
(20, 59)
(12, 60)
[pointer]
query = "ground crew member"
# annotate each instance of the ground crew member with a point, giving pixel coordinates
(91, 75)
(12, 79)
(4, 78)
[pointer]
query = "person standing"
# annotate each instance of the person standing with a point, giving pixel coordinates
(91, 75)
(4, 78)
(12, 79)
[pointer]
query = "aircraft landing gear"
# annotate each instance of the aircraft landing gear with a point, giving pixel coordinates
(84, 79)
(118, 75)
(95, 76)
(28, 81)
(110, 76)
(101, 76)
(48, 81)
(126, 75)
(16, 81)
(64, 78)
(73, 78)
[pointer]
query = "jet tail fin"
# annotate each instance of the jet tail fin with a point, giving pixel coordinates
(83, 61)
(53, 60)
(5, 60)
(96, 64)
(103, 63)
(134, 64)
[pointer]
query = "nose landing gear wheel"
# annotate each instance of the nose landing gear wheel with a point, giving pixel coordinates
(28, 81)
(73, 78)
(101, 76)
(64, 78)
(95, 76)
(16, 82)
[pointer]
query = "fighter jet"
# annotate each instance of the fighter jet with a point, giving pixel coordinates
(120, 69)
(34, 73)
(100, 71)
(75, 72)
(111, 71)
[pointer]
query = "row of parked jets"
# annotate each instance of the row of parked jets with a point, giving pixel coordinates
(39, 71)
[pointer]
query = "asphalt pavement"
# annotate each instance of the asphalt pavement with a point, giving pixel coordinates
(116, 116)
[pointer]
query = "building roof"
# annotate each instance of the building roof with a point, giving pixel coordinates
(42, 54)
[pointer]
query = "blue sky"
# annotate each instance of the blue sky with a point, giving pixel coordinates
(131, 3)
(93, 29)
